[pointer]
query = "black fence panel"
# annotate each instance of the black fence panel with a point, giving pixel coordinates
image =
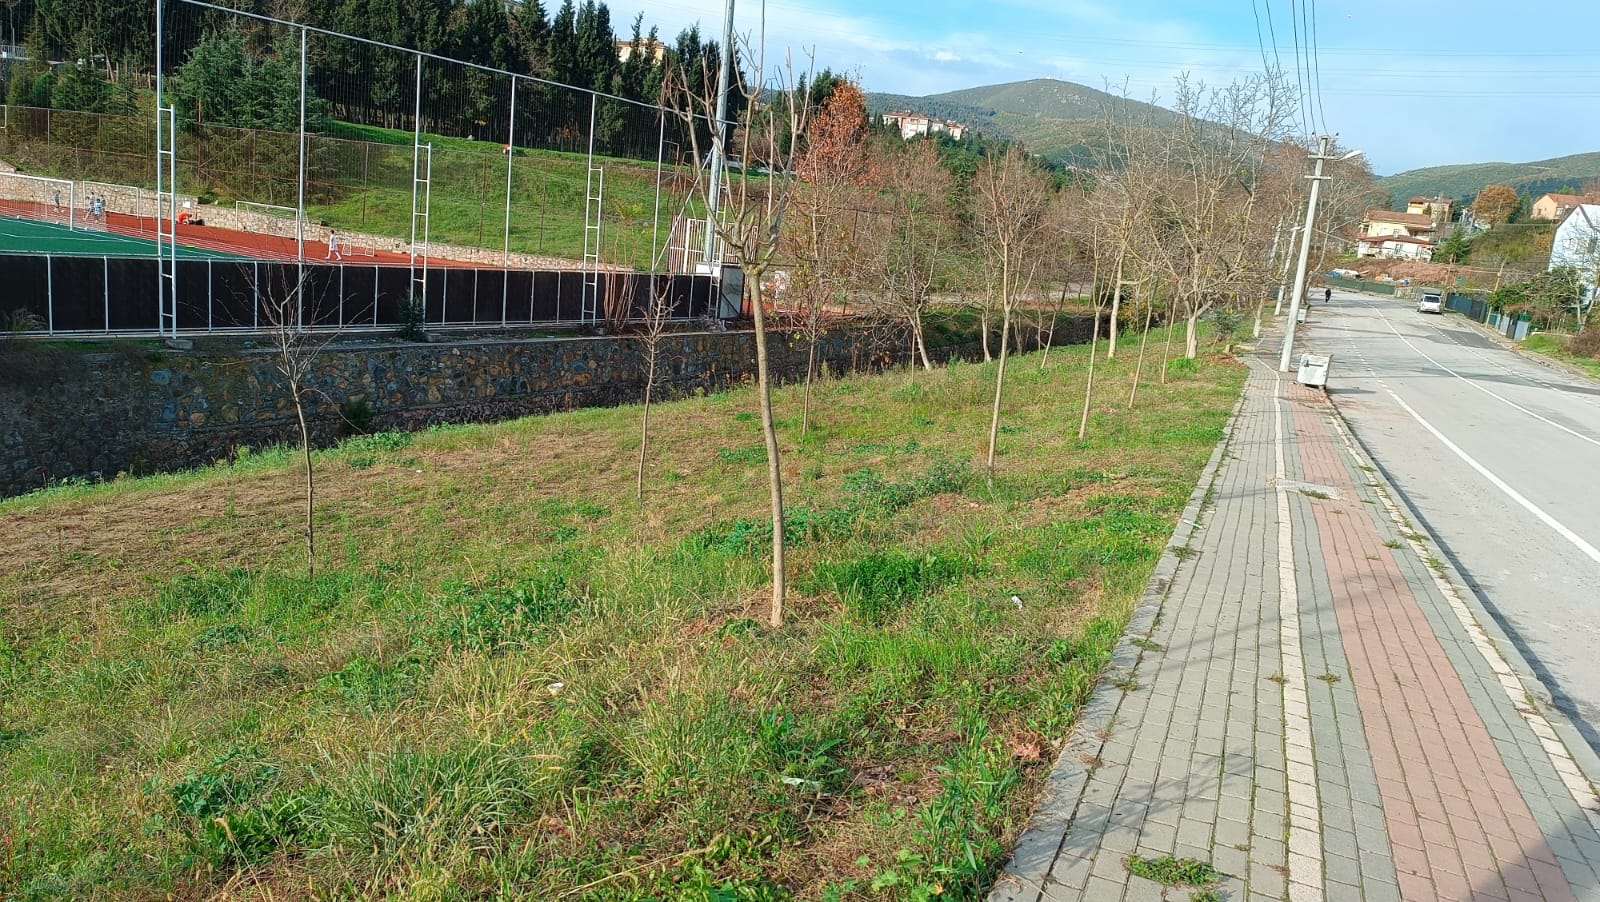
(519, 296)
(135, 303)
(394, 290)
(194, 295)
(233, 295)
(89, 294)
(78, 290)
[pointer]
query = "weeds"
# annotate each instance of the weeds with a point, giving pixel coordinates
(1169, 871)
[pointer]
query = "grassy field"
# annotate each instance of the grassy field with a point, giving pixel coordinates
(549, 191)
(510, 679)
(1555, 347)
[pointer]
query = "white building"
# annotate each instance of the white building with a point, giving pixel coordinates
(1577, 244)
(912, 125)
(1395, 247)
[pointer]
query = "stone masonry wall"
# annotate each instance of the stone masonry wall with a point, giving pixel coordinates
(69, 414)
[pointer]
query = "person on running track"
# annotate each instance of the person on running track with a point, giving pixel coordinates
(333, 247)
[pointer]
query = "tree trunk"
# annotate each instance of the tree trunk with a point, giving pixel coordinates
(1116, 309)
(1000, 373)
(805, 403)
(1166, 349)
(1144, 340)
(983, 326)
(644, 422)
(922, 344)
(1088, 392)
(1191, 339)
(1050, 339)
(774, 463)
(311, 499)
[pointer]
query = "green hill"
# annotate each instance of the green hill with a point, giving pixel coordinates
(1058, 119)
(1464, 181)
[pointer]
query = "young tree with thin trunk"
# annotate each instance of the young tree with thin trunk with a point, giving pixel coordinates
(652, 330)
(1012, 200)
(750, 224)
(907, 251)
(287, 311)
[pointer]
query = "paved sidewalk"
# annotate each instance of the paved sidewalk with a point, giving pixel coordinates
(1306, 704)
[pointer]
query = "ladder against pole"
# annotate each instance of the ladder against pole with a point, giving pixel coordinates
(421, 200)
(167, 218)
(594, 207)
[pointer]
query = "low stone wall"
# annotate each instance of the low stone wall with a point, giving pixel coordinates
(69, 414)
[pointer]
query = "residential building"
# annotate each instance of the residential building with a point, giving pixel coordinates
(913, 124)
(1395, 247)
(1577, 244)
(1555, 206)
(1440, 208)
(656, 50)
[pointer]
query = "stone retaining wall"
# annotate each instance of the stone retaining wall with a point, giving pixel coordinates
(70, 414)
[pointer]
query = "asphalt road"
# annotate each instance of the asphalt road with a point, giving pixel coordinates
(1500, 455)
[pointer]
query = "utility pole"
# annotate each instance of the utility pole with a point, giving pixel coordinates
(719, 132)
(1283, 280)
(1324, 142)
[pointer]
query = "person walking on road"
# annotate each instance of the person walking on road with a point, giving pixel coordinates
(1327, 295)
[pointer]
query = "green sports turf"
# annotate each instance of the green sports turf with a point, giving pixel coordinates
(25, 236)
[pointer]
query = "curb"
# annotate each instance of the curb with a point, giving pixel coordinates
(1023, 879)
(1583, 755)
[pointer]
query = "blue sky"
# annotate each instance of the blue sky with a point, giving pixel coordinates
(1449, 81)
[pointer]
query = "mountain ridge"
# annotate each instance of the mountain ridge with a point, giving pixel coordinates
(1464, 181)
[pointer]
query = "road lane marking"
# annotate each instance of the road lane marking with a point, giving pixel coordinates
(1572, 432)
(1577, 541)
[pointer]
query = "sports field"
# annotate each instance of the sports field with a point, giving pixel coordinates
(25, 236)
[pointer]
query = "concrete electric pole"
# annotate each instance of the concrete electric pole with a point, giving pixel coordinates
(1324, 144)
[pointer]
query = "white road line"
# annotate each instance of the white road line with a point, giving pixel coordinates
(1572, 432)
(1577, 541)
(1305, 813)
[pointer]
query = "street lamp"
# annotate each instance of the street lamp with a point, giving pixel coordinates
(1324, 143)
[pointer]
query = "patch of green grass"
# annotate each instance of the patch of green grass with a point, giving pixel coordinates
(511, 679)
(1394, 543)
(1169, 871)
(1554, 347)
(1144, 644)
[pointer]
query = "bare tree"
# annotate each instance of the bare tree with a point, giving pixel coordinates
(751, 218)
(652, 329)
(1013, 202)
(288, 312)
(907, 248)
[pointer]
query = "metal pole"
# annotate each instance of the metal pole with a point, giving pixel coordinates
(50, 295)
(718, 152)
(300, 206)
(1305, 253)
(655, 222)
(511, 154)
(416, 159)
(161, 278)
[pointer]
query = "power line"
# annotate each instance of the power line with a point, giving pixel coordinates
(1322, 109)
(1300, 83)
(1255, 10)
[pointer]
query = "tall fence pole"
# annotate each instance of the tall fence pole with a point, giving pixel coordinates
(416, 161)
(655, 222)
(511, 155)
(300, 205)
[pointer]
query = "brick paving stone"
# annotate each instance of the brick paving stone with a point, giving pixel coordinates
(1348, 740)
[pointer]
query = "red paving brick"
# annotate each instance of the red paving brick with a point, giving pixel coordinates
(1443, 784)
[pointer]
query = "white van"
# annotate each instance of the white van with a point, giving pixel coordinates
(1430, 303)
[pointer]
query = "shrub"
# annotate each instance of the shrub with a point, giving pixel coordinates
(1586, 343)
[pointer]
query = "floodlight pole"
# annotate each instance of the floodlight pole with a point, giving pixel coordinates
(505, 258)
(1323, 143)
(718, 152)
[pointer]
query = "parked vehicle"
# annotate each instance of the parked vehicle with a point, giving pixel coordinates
(1431, 303)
